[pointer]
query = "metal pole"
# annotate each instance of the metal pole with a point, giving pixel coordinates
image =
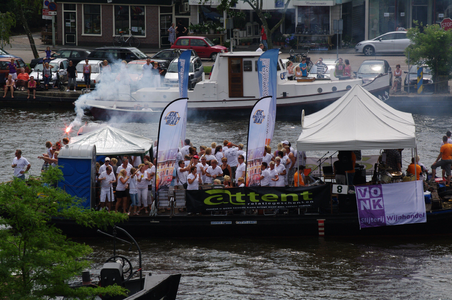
(337, 43)
(53, 31)
(408, 80)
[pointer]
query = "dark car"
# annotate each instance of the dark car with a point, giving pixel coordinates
(411, 77)
(371, 69)
(4, 54)
(166, 56)
(202, 45)
(74, 54)
(115, 54)
(4, 67)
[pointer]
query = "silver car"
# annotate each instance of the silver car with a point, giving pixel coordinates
(59, 66)
(95, 71)
(391, 42)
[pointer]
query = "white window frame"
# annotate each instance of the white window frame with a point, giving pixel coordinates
(63, 40)
(83, 21)
(130, 21)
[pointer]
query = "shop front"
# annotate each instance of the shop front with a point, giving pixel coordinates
(391, 15)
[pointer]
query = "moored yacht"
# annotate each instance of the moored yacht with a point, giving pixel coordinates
(233, 87)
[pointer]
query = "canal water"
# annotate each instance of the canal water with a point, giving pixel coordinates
(273, 268)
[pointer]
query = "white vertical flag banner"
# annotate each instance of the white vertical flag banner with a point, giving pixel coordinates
(257, 134)
(267, 72)
(171, 135)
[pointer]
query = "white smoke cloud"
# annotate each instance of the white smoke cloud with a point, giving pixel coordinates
(116, 83)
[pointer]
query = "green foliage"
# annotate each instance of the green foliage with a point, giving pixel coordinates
(431, 47)
(7, 21)
(36, 259)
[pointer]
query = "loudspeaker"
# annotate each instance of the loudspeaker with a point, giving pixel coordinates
(347, 203)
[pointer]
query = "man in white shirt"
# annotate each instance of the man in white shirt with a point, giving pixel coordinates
(231, 154)
(265, 175)
(261, 48)
(106, 178)
(103, 168)
(20, 165)
(125, 165)
(213, 171)
(240, 171)
(185, 149)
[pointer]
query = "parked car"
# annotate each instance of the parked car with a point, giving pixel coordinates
(371, 69)
(331, 64)
(411, 78)
(115, 54)
(58, 71)
(4, 66)
(74, 54)
(195, 73)
(95, 72)
(202, 45)
(391, 42)
(4, 53)
(166, 56)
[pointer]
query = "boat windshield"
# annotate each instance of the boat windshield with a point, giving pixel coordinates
(173, 67)
(370, 69)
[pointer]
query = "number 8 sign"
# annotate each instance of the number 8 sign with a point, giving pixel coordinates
(340, 189)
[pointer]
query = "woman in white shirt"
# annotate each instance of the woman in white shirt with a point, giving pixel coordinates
(280, 171)
(273, 174)
(193, 179)
(142, 186)
(182, 174)
(133, 192)
(121, 191)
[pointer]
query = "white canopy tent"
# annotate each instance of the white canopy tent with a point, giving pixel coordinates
(113, 141)
(357, 121)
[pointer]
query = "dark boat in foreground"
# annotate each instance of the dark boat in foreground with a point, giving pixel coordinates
(119, 270)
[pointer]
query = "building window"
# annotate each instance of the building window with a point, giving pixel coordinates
(129, 18)
(91, 19)
(69, 6)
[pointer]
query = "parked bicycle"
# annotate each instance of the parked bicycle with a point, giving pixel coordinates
(122, 40)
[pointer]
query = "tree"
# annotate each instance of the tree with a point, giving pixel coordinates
(36, 259)
(24, 8)
(431, 47)
(257, 6)
(7, 21)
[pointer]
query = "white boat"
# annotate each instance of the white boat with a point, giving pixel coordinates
(233, 88)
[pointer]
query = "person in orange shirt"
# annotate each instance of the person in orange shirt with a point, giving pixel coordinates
(414, 169)
(446, 160)
(22, 79)
(298, 179)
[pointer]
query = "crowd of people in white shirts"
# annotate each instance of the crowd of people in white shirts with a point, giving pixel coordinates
(222, 165)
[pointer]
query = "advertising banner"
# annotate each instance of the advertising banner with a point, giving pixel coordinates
(257, 134)
(267, 73)
(183, 66)
(391, 204)
(256, 198)
(170, 138)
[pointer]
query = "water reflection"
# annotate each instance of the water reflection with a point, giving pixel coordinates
(308, 268)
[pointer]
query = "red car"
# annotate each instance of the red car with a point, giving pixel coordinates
(203, 46)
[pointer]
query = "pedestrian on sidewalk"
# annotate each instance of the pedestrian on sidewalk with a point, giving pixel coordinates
(396, 86)
(71, 76)
(264, 37)
(87, 74)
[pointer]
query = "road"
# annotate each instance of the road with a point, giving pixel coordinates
(21, 47)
